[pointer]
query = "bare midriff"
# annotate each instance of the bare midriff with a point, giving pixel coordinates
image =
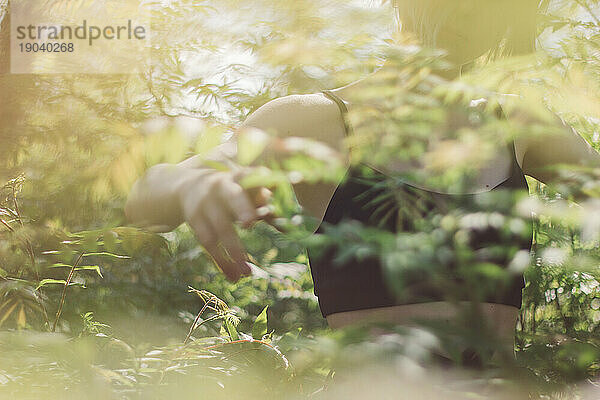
(501, 318)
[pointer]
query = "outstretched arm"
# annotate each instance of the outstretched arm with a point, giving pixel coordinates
(211, 202)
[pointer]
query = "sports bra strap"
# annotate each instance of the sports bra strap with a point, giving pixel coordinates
(343, 109)
(515, 168)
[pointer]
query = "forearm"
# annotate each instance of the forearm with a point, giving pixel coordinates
(154, 202)
(155, 199)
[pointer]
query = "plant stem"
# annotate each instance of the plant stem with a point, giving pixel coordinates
(10, 228)
(64, 293)
(29, 249)
(195, 322)
(28, 245)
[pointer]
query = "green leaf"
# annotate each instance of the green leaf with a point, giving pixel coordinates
(251, 144)
(90, 241)
(210, 138)
(95, 268)
(79, 268)
(104, 253)
(135, 241)
(60, 265)
(110, 241)
(45, 282)
(259, 329)
(233, 333)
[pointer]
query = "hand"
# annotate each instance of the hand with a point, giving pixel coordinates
(211, 203)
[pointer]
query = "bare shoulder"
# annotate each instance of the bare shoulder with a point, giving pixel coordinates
(540, 153)
(309, 115)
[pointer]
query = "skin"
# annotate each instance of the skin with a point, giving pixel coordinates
(213, 202)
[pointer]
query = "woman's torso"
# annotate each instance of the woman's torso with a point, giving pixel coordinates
(357, 289)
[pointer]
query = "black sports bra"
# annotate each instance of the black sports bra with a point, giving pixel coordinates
(357, 283)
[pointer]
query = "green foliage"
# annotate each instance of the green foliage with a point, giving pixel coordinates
(259, 329)
(72, 146)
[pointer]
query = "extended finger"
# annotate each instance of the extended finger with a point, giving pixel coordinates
(238, 202)
(222, 224)
(208, 239)
(232, 270)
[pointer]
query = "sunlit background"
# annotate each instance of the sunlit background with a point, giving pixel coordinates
(93, 308)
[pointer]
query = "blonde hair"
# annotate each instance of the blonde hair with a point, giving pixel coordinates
(516, 18)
